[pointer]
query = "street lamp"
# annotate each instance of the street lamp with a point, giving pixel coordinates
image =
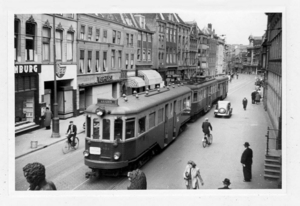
(55, 127)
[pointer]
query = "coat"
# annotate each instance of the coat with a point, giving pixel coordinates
(245, 101)
(257, 97)
(48, 116)
(247, 157)
(187, 176)
(196, 178)
(74, 129)
(206, 126)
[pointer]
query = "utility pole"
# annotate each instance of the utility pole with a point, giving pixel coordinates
(55, 126)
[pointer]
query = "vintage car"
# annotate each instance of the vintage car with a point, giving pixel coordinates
(223, 108)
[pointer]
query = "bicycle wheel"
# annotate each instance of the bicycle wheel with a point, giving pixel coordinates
(76, 143)
(66, 147)
(211, 139)
(204, 143)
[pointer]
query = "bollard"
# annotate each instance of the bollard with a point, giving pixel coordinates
(34, 144)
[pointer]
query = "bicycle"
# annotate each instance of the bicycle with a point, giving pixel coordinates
(68, 146)
(205, 140)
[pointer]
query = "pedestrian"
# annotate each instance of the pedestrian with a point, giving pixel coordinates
(71, 132)
(246, 161)
(35, 174)
(245, 102)
(196, 177)
(187, 175)
(48, 116)
(226, 184)
(257, 97)
(253, 94)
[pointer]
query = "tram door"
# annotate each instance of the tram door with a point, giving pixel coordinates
(174, 120)
(166, 123)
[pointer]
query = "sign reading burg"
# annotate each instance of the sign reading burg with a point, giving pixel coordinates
(27, 68)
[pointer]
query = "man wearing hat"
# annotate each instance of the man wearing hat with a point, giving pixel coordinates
(72, 130)
(246, 161)
(226, 183)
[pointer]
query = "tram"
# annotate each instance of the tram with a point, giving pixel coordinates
(122, 134)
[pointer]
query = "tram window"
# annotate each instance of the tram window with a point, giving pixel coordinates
(142, 125)
(171, 109)
(160, 115)
(130, 125)
(106, 129)
(151, 120)
(195, 96)
(96, 126)
(118, 128)
(88, 126)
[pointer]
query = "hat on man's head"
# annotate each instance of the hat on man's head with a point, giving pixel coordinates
(246, 144)
(226, 181)
(71, 121)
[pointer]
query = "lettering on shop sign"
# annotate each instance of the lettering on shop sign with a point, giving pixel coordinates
(27, 68)
(104, 79)
(60, 70)
(112, 102)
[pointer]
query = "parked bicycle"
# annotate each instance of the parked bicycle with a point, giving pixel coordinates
(207, 140)
(68, 146)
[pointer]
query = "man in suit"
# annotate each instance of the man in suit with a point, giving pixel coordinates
(205, 127)
(246, 161)
(226, 184)
(72, 131)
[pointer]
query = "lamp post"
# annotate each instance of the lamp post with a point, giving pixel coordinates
(55, 127)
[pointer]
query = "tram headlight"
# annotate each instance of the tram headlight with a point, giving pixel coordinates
(86, 153)
(117, 155)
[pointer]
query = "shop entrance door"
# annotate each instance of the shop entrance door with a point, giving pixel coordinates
(65, 102)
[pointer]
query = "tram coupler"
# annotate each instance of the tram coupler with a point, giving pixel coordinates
(92, 174)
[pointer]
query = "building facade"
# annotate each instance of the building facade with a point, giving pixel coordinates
(220, 56)
(253, 51)
(212, 43)
(273, 87)
(203, 53)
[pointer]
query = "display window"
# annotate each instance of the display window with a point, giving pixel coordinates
(24, 107)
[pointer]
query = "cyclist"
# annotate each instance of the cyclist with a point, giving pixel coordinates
(205, 127)
(72, 130)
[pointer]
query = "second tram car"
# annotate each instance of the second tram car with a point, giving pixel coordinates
(122, 133)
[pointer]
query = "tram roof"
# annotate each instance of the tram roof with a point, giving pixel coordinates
(135, 105)
(198, 85)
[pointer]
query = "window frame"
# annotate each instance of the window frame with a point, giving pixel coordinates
(132, 61)
(104, 61)
(82, 32)
(139, 129)
(153, 119)
(81, 58)
(30, 37)
(97, 62)
(89, 63)
(97, 36)
(132, 119)
(44, 42)
(72, 45)
(90, 33)
(113, 58)
(61, 44)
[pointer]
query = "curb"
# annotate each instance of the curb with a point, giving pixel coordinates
(60, 140)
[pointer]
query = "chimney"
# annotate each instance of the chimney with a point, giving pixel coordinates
(209, 26)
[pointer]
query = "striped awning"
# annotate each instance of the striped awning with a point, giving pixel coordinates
(135, 82)
(151, 77)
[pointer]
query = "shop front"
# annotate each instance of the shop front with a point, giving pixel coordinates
(27, 108)
(66, 89)
(92, 87)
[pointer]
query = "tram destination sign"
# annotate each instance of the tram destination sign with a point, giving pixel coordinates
(111, 102)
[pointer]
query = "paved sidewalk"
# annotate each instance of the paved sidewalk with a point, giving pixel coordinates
(43, 136)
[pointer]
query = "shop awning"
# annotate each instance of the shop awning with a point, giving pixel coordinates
(135, 82)
(151, 77)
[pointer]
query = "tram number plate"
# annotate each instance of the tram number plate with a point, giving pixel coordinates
(95, 150)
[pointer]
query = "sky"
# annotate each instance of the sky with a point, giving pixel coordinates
(237, 26)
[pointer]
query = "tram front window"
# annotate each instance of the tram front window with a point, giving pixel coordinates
(106, 129)
(118, 128)
(130, 128)
(96, 125)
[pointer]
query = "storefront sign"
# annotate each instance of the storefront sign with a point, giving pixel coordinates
(112, 102)
(27, 68)
(60, 70)
(104, 79)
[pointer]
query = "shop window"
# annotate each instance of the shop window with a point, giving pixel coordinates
(120, 59)
(70, 42)
(90, 33)
(82, 32)
(118, 129)
(97, 35)
(97, 65)
(114, 37)
(151, 120)
(58, 44)
(142, 125)
(81, 62)
(46, 44)
(24, 107)
(89, 67)
(106, 129)
(113, 59)
(96, 126)
(130, 128)
(30, 41)
(160, 116)
(104, 61)
(131, 61)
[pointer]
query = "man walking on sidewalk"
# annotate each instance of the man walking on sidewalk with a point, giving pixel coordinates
(246, 161)
(245, 102)
(48, 117)
(73, 131)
